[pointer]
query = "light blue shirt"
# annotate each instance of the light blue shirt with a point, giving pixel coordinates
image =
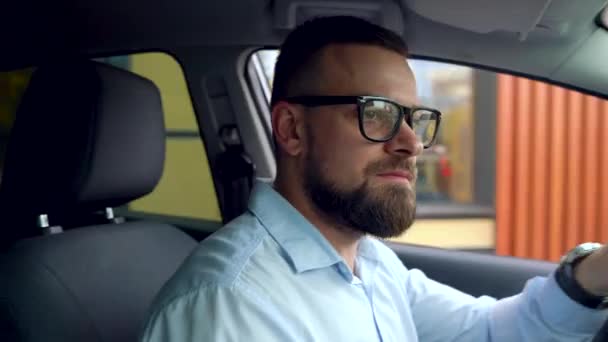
(271, 276)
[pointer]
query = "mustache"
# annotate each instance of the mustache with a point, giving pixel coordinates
(387, 165)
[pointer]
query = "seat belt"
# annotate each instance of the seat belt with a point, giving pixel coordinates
(235, 171)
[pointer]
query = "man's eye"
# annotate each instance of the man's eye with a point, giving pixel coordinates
(371, 115)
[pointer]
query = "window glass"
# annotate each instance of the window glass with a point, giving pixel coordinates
(449, 88)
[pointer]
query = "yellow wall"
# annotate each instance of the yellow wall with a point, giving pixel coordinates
(186, 187)
(452, 233)
(458, 135)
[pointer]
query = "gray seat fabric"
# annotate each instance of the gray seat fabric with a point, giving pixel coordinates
(87, 137)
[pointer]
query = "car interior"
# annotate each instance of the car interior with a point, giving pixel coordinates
(91, 138)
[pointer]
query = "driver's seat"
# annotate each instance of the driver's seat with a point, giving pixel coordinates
(87, 137)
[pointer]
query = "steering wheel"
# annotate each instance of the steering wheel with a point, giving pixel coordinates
(602, 335)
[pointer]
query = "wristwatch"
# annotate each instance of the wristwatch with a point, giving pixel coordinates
(567, 282)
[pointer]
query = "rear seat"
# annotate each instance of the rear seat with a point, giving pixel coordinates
(88, 137)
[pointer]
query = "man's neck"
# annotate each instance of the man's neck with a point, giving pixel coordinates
(344, 240)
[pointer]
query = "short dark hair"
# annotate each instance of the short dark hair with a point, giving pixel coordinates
(302, 44)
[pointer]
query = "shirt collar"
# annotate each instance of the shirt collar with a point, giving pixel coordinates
(305, 246)
(367, 249)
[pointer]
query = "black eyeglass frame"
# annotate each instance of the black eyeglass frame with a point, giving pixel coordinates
(361, 101)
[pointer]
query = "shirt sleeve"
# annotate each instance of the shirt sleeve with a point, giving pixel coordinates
(219, 315)
(542, 312)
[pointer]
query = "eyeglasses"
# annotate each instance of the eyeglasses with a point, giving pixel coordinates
(380, 118)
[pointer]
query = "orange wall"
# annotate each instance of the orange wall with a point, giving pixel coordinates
(550, 191)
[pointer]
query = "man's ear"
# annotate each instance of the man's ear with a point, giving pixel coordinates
(287, 126)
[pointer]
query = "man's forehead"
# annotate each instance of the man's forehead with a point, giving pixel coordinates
(356, 69)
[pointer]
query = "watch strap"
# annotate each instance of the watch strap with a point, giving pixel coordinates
(566, 280)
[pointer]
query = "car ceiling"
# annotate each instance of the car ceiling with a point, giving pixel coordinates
(555, 40)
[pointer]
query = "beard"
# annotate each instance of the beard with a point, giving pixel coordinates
(384, 211)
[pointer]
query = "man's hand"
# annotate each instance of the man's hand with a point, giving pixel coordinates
(592, 272)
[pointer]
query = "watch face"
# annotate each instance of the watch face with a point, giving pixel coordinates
(580, 251)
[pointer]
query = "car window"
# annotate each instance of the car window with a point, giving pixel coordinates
(516, 167)
(186, 188)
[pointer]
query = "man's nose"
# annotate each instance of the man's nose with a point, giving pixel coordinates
(404, 143)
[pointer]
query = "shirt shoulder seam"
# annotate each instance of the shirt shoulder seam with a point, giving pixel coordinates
(206, 284)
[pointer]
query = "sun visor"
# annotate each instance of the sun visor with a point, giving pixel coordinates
(484, 16)
(290, 13)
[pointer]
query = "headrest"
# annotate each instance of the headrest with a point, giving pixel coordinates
(86, 136)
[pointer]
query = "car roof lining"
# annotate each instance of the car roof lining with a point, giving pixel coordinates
(563, 43)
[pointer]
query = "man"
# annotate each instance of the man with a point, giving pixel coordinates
(303, 264)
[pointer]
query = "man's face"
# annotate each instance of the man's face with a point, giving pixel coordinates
(365, 186)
